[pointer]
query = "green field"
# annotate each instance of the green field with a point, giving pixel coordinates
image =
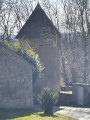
(29, 115)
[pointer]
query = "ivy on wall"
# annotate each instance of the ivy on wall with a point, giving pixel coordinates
(23, 49)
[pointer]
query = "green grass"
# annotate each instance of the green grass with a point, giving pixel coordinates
(66, 92)
(29, 115)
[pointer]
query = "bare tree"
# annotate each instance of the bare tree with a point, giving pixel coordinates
(77, 13)
(22, 10)
(7, 21)
(54, 11)
(1, 2)
(13, 15)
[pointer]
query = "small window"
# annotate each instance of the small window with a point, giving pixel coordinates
(41, 45)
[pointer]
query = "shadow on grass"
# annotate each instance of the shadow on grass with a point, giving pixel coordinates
(44, 115)
(11, 114)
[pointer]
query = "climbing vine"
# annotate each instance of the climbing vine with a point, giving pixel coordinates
(23, 49)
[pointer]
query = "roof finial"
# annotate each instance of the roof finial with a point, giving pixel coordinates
(38, 6)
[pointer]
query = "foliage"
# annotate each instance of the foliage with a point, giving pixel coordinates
(47, 100)
(6, 114)
(23, 48)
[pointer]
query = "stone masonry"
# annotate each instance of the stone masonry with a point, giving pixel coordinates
(16, 89)
(44, 38)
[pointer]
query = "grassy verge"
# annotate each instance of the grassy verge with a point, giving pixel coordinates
(29, 115)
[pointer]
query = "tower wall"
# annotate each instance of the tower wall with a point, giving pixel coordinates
(49, 54)
(43, 37)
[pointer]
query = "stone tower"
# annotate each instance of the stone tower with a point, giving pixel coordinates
(44, 38)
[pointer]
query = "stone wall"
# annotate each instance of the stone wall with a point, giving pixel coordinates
(16, 89)
(49, 54)
(43, 37)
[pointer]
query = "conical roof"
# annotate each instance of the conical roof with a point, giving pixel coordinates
(37, 25)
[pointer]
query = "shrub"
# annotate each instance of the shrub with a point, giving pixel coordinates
(47, 100)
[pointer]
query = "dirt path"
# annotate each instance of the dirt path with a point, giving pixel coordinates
(75, 112)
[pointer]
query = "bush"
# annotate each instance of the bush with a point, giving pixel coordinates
(47, 100)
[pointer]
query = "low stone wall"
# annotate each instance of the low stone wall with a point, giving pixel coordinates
(65, 99)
